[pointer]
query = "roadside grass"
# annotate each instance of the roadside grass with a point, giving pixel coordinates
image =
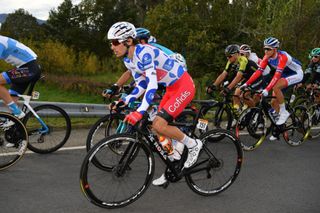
(54, 94)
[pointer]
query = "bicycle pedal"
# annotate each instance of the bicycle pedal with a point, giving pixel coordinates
(165, 185)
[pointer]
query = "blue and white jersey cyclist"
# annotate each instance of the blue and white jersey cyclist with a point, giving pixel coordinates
(144, 34)
(150, 66)
(26, 70)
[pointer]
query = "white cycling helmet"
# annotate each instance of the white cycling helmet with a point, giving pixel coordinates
(121, 31)
(152, 39)
(245, 48)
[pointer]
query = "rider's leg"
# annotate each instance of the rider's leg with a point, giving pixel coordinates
(283, 113)
(236, 99)
(6, 97)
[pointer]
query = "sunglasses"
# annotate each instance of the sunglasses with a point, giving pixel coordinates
(267, 49)
(115, 42)
(229, 56)
(316, 56)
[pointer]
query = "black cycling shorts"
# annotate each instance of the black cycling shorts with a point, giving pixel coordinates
(21, 77)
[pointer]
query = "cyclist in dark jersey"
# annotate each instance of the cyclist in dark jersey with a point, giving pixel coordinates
(238, 69)
(312, 73)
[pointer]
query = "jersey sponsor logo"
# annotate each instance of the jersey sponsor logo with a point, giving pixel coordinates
(168, 65)
(146, 59)
(179, 100)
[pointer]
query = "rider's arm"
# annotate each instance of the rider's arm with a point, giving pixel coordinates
(220, 78)
(124, 78)
(141, 85)
(262, 66)
(151, 77)
(282, 64)
(243, 61)
(236, 80)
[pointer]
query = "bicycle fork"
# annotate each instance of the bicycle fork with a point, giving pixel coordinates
(45, 128)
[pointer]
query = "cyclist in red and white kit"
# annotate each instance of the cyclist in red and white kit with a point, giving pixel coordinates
(149, 67)
(288, 72)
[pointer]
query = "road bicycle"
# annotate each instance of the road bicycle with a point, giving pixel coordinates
(310, 98)
(213, 114)
(126, 175)
(48, 126)
(15, 134)
(254, 124)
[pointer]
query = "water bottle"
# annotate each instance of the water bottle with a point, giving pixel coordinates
(167, 146)
(293, 97)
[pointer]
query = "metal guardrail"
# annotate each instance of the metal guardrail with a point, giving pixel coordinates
(73, 109)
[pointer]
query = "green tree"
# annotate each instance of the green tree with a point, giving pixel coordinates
(21, 24)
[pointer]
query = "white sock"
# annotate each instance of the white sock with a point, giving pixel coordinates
(179, 147)
(189, 142)
(282, 107)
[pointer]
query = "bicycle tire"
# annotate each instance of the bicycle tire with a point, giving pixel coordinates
(251, 128)
(298, 125)
(314, 112)
(218, 145)
(58, 122)
(219, 116)
(15, 134)
(97, 185)
(186, 117)
(102, 129)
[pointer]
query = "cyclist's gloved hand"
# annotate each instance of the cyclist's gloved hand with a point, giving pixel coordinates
(226, 91)
(243, 86)
(116, 105)
(114, 89)
(133, 117)
(264, 92)
(211, 89)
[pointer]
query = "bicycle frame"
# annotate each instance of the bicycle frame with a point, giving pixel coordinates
(26, 106)
(143, 131)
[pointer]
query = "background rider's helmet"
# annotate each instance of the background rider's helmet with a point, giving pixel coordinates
(271, 42)
(314, 52)
(142, 33)
(232, 49)
(152, 39)
(121, 31)
(245, 48)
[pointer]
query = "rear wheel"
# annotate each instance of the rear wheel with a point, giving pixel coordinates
(53, 135)
(218, 165)
(219, 116)
(13, 140)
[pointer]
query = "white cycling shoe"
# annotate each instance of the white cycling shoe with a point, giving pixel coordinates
(283, 117)
(159, 181)
(273, 138)
(193, 154)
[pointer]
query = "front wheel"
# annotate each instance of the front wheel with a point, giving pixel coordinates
(128, 177)
(297, 126)
(48, 132)
(218, 165)
(252, 128)
(314, 112)
(108, 125)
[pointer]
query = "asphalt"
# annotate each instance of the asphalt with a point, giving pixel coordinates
(274, 178)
